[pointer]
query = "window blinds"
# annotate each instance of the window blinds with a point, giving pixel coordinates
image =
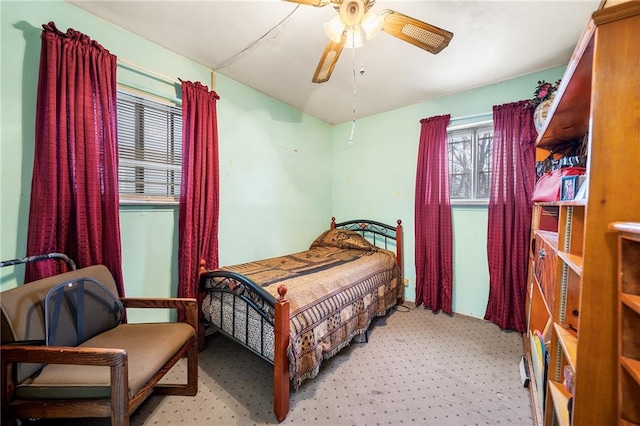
(150, 149)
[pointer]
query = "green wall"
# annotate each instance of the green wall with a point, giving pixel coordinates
(376, 178)
(275, 162)
(283, 173)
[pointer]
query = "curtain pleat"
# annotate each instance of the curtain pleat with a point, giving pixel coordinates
(74, 193)
(433, 227)
(199, 192)
(509, 222)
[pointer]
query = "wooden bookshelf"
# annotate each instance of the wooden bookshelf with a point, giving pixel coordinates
(628, 321)
(596, 327)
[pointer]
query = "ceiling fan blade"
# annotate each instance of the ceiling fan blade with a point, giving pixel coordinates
(328, 60)
(425, 36)
(317, 3)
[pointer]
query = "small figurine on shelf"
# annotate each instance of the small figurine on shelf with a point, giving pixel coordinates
(542, 100)
(543, 92)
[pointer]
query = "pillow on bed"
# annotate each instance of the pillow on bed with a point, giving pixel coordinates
(343, 239)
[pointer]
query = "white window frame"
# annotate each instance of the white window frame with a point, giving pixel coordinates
(126, 161)
(474, 173)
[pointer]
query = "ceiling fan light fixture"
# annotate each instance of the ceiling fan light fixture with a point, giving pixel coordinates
(334, 29)
(354, 37)
(351, 12)
(355, 21)
(372, 24)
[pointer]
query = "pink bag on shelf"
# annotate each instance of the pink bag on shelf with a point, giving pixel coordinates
(548, 186)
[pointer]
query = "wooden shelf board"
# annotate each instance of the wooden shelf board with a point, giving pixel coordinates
(560, 397)
(632, 301)
(574, 261)
(581, 202)
(624, 422)
(569, 341)
(550, 238)
(632, 366)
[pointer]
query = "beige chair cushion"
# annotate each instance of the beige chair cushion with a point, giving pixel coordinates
(149, 347)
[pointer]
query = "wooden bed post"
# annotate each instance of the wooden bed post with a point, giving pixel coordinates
(200, 331)
(281, 360)
(399, 244)
(333, 223)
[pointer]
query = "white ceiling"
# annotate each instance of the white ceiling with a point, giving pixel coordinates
(493, 41)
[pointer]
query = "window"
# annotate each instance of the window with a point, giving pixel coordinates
(470, 163)
(149, 149)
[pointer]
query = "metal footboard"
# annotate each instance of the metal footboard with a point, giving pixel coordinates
(241, 310)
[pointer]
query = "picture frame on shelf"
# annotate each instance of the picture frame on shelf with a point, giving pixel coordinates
(581, 190)
(568, 187)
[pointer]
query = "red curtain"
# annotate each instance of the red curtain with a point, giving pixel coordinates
(199, 192)
(74, 190)
(433, 229)
(512, 182)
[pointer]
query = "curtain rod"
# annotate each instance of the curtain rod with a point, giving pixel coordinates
(139, 69)
(469, 117)
(174, 100)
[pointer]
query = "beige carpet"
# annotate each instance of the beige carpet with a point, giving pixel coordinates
(418, 368)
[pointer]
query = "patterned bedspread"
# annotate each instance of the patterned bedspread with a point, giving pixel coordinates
(335, 289)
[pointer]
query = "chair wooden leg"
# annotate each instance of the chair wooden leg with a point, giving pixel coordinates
(119, 419)
(120, 394)
(6, 372)
(192, 369)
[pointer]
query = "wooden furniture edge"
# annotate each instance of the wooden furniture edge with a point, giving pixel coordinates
(616, 12)
(281, 381)
(628, 366)
(202, 342)
(628, 227)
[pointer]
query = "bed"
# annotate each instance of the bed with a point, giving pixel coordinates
(294, 311)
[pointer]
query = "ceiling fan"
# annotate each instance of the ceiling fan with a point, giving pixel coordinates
(356, 18)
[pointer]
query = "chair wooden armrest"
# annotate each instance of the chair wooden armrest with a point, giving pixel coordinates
(190, 306)
(115, 359)
(63, 355)
(158, 302)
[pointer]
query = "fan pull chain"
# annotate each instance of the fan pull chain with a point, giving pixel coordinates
(353, 119)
